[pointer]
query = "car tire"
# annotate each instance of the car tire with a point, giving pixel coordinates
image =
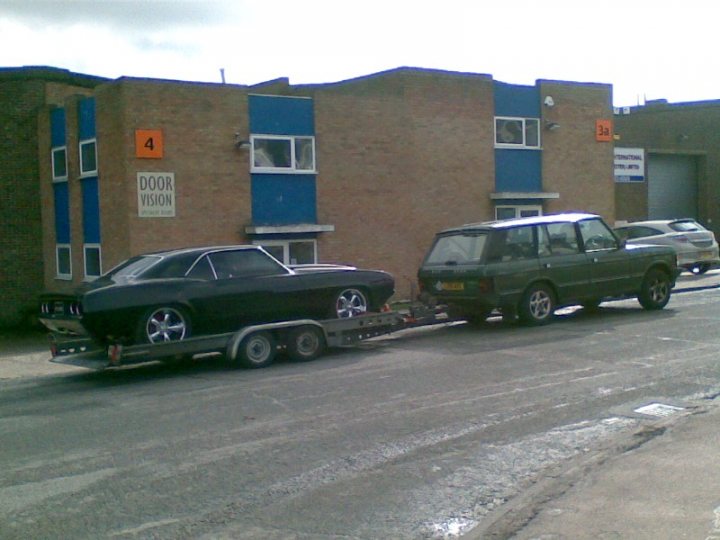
(349, 303)
(163, 324)
(537, 305)
(305, 343)
(655, 289)
(257, 350)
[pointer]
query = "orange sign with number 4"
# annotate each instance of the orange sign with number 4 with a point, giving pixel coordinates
(148, 143)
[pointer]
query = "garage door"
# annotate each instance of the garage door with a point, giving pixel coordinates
(672, 187)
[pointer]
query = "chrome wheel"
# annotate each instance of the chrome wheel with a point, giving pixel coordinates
(537, 306)
(350, 303)
(655, 290)
(165, 324)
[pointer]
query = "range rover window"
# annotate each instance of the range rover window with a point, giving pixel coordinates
(514, 244)
(563, 238)
(461, 248)
(596, 235)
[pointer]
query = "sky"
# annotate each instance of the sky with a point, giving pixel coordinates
(647, 49)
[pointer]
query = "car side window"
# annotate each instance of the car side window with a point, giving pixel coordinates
(596, 235)
(244, 263)
(563, 238)
(202, 270)
(544, 249)
(513, 244)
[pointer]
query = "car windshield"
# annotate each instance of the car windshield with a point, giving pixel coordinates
(686, 226)
(460, 248)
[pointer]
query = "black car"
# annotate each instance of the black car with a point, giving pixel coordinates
(168, 296)
(529, 266)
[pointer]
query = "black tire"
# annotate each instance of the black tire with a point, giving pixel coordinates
(700, 268)
(655, 290)
(349, 302)
(537, 305)
(163, 324)
(305, 343)
(257, 350)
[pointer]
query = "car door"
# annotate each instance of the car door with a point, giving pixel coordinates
(514, 261)
(609, 264)
(244, 290)
(562, 261)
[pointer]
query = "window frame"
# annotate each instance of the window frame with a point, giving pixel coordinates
(53, 151)
(58, 274)
(293, 168)
(285, 244)
(524, 145)
(82, 144)
(87, 276)
(518, 209)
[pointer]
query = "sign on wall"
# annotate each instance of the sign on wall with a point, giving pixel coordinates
(156, 194)
(148, 143)
(629, 165)
(603, 130)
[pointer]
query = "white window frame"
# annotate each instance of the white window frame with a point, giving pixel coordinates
(53, 153)
(58, 275)
(285, 244)
(81, 145)
(86, 247)
(292, 169)
(519, 208)
(524, 144)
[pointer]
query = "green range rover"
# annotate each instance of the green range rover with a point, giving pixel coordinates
(528, 267)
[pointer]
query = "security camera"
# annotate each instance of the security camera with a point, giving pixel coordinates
(549, 101)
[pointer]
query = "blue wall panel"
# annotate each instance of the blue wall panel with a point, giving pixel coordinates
(275, 115)
(279, 199)
(516, 100)
(91, 210)
(518, 170)
(62, 213)
(86, 118)
(57, 127)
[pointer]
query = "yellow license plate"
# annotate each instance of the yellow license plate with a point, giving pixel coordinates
(453, 286)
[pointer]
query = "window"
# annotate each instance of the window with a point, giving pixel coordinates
(244, 263)
(515, 211)
(278, 154)
(59, 164)
(517, 132)
(457, 249)
(63, 262)
(291, 251)
(515, 244)
(563, 238)
(596, 235)
(93, 267)
(88, 158)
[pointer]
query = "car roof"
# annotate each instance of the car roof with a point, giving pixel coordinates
(656, 222)
(570, 217)
(197, 250)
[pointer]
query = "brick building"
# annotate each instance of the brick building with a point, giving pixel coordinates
(363, 171)
(677, 148)
(25, 97)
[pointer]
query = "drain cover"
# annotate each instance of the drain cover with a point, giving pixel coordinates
(659, 409)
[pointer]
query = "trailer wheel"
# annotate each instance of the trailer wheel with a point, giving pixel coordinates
(305, 343)
(257, 350)
(163, 324)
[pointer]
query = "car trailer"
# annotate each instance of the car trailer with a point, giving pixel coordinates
(254, 346)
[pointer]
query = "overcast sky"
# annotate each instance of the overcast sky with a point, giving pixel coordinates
(647, 49)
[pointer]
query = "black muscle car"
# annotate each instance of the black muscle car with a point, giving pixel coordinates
(171, 295)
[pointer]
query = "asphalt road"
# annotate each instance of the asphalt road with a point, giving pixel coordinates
(422, 434)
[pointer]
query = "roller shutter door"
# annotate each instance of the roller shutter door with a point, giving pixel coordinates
(672, 187)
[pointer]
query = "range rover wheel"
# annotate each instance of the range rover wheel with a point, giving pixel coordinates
(257, 350)
(537, 306)
(655, 290)
(349, 303)
(163, 324)
(305, 343)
